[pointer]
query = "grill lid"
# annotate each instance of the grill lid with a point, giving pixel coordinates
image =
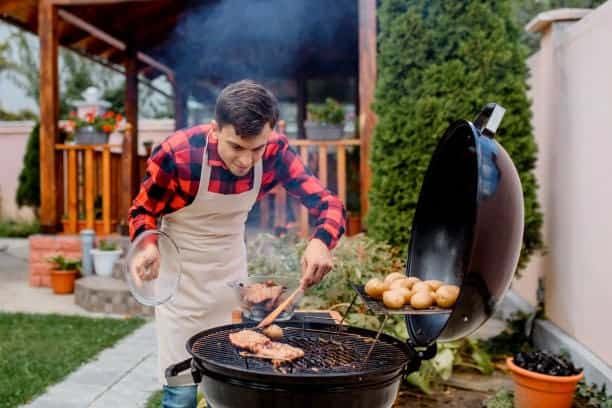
(468, 226)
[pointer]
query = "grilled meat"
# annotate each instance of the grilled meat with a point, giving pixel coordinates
(261, 346)
(249, 340)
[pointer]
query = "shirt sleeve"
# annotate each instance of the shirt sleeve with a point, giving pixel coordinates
(299, 182)
(156, 191)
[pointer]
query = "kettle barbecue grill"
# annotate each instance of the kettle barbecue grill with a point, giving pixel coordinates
(467, 231)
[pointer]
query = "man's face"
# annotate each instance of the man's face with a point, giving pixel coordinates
(238, 154)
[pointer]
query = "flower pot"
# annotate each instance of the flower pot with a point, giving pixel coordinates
(323, 131)
(89, 135)
(104, 261)
(62, 282)
(535, 390)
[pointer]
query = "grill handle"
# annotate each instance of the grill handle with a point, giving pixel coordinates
(422, 353)
(175, 379)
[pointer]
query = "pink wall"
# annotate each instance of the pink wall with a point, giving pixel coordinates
(572, 105)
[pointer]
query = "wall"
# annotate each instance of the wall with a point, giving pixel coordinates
(572, 106)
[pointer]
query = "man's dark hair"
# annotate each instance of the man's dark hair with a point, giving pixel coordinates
(247, 106)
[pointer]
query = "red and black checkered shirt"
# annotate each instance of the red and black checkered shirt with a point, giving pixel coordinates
(173, 173)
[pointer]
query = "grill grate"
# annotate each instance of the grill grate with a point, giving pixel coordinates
(325, 352)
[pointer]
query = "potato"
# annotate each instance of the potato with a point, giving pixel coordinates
(273, 331)
(446, 295)
(435, 284)
(407, 293)
(421, 300)
(393, 299)
(393, 276)
(421, 287)
(412, 280)
(400, 283)
(375, 288)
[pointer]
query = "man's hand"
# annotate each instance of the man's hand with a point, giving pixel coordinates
(316, 262)
(145, 265)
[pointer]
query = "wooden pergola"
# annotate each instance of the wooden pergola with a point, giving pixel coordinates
(138, 38)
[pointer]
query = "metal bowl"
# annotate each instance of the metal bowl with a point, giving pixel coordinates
(258, 311)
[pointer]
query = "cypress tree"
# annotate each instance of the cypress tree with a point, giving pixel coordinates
(440, 61)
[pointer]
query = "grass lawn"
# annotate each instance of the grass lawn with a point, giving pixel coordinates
(39, 350)
(155, 400)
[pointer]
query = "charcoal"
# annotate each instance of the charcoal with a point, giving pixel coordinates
(546, 363)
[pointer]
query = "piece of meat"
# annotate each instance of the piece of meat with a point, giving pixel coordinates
(261, 292)
(279, 351)
(249, 340)
(261, 346)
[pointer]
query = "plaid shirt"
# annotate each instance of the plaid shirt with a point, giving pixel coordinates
(173, 173)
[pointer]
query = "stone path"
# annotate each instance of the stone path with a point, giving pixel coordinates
(122, 376)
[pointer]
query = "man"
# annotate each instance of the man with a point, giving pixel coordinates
(202, 182)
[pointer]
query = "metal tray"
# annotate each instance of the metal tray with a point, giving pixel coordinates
(377, 307)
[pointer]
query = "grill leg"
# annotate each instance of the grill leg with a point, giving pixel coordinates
(382, 326)
(346, 312)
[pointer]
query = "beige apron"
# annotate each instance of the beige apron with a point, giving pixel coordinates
(210, 235)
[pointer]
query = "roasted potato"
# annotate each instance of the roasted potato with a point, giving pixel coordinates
(435, 284)
(407, 293)
(375, 288)
(400, 283)
(412, 280)
(421, 287)
(447, 295)
(273, 331)
(393, 276)
(393, 299)
(421, 300)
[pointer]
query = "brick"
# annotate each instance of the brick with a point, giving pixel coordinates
(40, 269)
(69, 244)
(40, 241)
(45, 280)
(35, 280)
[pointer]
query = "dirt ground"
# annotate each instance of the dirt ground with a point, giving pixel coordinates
(447, 397)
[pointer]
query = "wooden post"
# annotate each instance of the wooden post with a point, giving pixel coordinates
(106, 189)
(323, 164)
(73, 198)
(180, 106)
(49, 192)
(90, 180)
(302, 98)
(129, 159)
(367, 85)
(341, 173)
(304, 225)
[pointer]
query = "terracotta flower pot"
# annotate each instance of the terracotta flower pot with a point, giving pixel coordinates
(535, 390)
(62, 282)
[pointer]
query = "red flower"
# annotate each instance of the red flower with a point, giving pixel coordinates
(107, 128)
(89, 117)
(118, 118)
(72, 114)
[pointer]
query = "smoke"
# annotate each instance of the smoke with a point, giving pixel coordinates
(227, 40)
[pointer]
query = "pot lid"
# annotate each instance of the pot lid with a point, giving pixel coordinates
(468, 227)
(153, 268)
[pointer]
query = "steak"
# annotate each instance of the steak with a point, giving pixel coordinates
(262, 347)
(249, 340)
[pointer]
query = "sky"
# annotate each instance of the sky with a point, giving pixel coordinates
(12, 98)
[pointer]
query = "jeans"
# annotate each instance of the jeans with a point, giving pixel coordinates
(180, 397)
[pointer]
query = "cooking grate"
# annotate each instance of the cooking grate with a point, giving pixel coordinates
(377, 307)
(325, 352)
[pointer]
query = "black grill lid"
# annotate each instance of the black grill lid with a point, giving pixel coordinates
(468, 226)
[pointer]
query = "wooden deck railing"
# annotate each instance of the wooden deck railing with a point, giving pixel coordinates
(315, 154)
(92, 173)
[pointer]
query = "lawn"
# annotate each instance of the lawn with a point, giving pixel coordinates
(39, 350)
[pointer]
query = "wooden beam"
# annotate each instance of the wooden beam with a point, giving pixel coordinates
(11, 6)
(129, 165)
(49, 112)
(367, 85)
(93, 2)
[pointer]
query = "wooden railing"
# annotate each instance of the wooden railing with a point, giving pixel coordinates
(91, 172)
(314, 154)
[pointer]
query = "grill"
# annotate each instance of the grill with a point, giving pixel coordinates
(327, 351)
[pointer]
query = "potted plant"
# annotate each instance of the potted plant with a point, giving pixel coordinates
(325, 122)
(543, 380)
(105, 256)
(64, 273)
(93, 129)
